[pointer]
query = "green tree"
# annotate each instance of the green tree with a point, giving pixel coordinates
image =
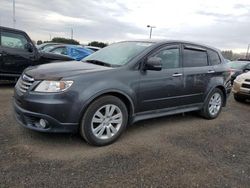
(65, 40)
(228, 54)
(39, 42)
(97, 44)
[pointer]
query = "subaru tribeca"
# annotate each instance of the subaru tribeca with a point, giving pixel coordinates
(121, 84)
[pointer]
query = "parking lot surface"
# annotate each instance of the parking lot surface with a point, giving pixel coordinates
(174, 151)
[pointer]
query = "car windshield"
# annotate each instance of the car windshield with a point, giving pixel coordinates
(118, 54)
(237, 64)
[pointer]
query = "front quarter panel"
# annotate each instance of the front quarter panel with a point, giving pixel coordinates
(89, 88)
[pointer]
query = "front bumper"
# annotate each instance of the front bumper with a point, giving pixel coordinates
(238, 89)
(31, 120)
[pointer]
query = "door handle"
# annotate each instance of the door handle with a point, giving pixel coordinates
(210, 71)
(177, 74)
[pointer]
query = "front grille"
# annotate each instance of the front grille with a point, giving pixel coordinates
(24, 83)
(246, 86)
(247, 80)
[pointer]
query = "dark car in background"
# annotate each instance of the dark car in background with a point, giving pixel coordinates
(17, 52)
(74, 51)
(121, 84)
(238, 67)
(44, 46)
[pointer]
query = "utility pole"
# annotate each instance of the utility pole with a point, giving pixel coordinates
(151, 28)
(72, 33)
(49, 37)
(247, 51)
(14, 14)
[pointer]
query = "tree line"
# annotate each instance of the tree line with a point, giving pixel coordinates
(72, 41)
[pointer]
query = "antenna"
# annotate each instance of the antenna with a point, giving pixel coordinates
(72, 33)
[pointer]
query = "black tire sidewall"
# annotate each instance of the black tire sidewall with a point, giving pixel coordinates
(85, 128)
(239, 98)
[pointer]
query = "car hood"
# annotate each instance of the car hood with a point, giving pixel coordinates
(245, 75)
(57, 71)
(52, 56)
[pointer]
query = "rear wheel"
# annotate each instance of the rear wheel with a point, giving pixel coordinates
(213, 105)
(239, 98)
(104, 121)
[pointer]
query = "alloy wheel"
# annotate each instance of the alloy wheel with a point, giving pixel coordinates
(106, 121)
(215, 104)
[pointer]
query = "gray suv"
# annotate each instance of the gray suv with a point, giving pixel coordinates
(121, 84)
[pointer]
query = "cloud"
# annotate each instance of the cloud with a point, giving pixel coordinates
(223, 24)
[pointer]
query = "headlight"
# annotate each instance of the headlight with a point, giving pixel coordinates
(239, 79)
(53, 86)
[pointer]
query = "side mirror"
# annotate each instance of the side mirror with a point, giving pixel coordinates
(153, 63)
(29, 47)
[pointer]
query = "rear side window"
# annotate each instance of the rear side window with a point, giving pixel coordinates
(214, 57)
(13, 40)
(194, 58)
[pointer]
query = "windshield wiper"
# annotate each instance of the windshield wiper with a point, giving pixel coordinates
(97, 62)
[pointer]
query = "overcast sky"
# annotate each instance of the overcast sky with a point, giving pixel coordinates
(224, 24)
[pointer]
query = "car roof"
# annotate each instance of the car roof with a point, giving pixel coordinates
(11, 29)
(165, 41)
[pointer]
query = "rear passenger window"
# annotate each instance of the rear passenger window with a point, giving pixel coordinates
(214, 57)
(194, 58)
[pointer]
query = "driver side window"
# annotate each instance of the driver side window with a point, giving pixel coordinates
(169, 57)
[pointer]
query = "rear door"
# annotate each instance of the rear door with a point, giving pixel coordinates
(197, 73)
(14, 55)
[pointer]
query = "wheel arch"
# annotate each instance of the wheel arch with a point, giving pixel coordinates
(125, 98)
(223, 89)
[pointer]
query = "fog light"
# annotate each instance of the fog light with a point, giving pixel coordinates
(42, 123)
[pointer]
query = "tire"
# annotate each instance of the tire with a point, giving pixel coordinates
(104, 121)
(239, 98)
(213, 104)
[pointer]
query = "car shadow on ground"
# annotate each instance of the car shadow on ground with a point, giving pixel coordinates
(7, 84)
(74, 139)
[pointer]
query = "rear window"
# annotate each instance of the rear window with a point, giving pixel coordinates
(194, 58)
(214, 57)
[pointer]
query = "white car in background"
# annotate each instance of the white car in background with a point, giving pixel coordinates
(241, 87)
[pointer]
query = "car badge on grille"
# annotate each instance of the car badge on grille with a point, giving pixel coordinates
(25, 77)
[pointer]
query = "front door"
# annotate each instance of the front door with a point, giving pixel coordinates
(14, 55)
(162, 89)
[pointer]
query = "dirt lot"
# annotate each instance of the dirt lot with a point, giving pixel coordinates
(174, 151)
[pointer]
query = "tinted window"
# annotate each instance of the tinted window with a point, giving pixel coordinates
(248, 66)
(214, 57)
(194, 58)
(170, 58)
(237, 64)
(13, 40)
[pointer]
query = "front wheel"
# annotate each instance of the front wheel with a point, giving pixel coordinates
(104, 121)
(213, 105)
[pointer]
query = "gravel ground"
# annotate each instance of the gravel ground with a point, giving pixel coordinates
(174, 151)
